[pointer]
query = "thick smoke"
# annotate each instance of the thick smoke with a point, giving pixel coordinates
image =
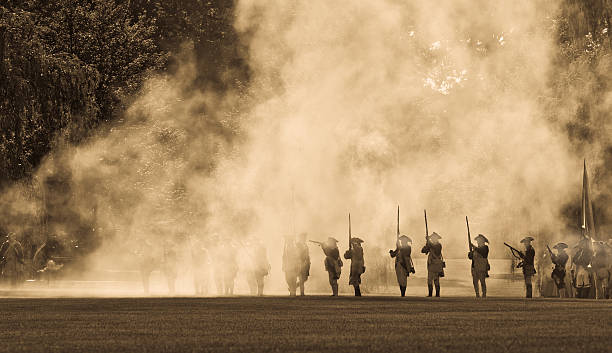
(353, 106)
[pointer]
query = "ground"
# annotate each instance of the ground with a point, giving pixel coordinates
(313, 323)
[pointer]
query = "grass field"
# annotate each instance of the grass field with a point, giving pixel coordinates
(304, 324)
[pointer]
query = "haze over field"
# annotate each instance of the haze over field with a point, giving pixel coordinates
(351, 106)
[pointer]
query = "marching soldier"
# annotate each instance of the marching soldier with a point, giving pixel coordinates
(260, 268)
(480, 264)
(304, 261)
(291, 265)
(528, 265)
(355, 254)
(403, 262)
(147, 262)
(600, 264)
(435, 262)
(333, 263)
(581, 260)
(559, 272)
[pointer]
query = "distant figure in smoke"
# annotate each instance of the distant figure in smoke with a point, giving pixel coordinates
(291, 264)
(355, 254)
(147, 262)
(403, 262)
(229, 268)
(582, 259)
(333, 263)
(435, 262)
(600, 264)
(45, 259)
(200, 260)
(169, 260)
(11, 260)
(528, 265)
(303, 257)
(480, 264)
(259, 269)
(559, 272)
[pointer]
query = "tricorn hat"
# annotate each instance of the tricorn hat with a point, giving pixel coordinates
(405, 239)
(356, 240)
(560, 246)
(332, 240)
(480, 236)
(435, 235)
(527, 239)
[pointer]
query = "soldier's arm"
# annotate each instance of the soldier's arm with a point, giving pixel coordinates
(393, 253)
(425, 249)
(348, 254)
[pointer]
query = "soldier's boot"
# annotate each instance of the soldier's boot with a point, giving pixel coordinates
(430, 289)
(528, 290)
(484, 289)
(357, 291)
(403, 291)
(437, 290)
(477, 294)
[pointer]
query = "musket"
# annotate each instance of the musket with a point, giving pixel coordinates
(470, 246)
(426, 228)
(350, 243)
(517, 254)
(316, 242)
(398, 229)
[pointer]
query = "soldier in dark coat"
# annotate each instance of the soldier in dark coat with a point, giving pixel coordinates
(600, 265)
(480, 264)
(355, 254)
(559, 272)
(403, 262)
(435, 262)
(333, 263)
(303, 257)
(581, 260)
(528, 265)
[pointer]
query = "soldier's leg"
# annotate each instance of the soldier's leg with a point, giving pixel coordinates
(475, 280)
(483, 284)
(429, 283)
(260, 286)
(402, 278)
(302, 285)
(528, 286)
(291, 283)
(437, 284)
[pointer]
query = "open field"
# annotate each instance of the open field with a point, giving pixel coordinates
(304, 324)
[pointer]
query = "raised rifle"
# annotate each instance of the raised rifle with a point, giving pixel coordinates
(470, 246)
(398, 229)
(350, 243)
(552, 256)
(320, 243)
(426, 228)
(517, 254)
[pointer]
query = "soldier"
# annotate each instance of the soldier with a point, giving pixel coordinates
(291, 265)
(355, 254)
(260, 268)
(11, 260)
(304, 261)
(435, 262)
(558, 273)
(147, 262)
(480, 264)
(581, 260)
(200, 260)
(528, 265)
(230, 268)
(333, 263)
(600, 266)
(169, 259)
(403, 262)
